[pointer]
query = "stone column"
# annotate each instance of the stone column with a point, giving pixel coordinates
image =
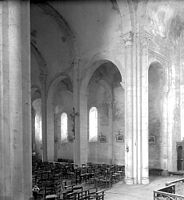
(170, 125)
(33, 129)
(112, 136)
(136, 109)
(181, 47)
(43, 79)
(15, 101)
(164, 135)
(128, 39)
(81, 116)
(173, 109)
(144, 110)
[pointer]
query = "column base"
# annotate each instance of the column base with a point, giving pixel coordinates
(145, 180)
(129, 181)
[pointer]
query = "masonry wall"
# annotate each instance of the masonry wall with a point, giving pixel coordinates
(156, 84)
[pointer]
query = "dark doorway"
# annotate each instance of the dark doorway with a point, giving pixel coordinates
(179, 158)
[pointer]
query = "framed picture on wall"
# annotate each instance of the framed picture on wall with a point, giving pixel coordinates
(102, 139)
(151, 139)
(119, 138)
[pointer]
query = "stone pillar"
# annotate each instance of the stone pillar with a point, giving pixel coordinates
(143, 73)
(82, 137)
(181, 46)
(111, 136)
(81, 121)
(81, 116)
(164, 135)
(33, 129)
(173, 110)
(136, 110)
(15, 101)
(128, 39)
(43, 79)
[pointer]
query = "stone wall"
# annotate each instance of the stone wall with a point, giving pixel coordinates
(156, 84)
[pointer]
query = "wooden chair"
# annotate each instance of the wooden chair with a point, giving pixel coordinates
(94, 193)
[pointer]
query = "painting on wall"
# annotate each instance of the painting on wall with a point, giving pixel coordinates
(102, 138)
(119, 138)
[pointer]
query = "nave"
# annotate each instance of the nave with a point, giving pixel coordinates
(63, 180)
(122, 191)
(97, 84)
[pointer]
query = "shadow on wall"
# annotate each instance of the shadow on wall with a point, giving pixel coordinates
(156, 84)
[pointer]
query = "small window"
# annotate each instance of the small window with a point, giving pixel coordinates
(93, 124)
(38, 127)
(64, 127)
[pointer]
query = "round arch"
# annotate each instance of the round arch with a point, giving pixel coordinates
(50, 114)
(155, 61)
(81, 136)
(157, 120)
(95, 148)
(95, 63)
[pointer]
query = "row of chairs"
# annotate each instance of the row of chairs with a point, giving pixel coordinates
(51, 178)
(77, 192)
(71, 192)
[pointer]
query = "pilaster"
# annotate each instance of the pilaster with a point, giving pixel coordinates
(143, 73)
(128, 41)
(33, 129)
(43, 79)
(81, 113)
(136, 108)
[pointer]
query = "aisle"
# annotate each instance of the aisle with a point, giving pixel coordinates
(121, 191)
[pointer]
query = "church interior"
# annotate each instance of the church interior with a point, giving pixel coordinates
(91, 93)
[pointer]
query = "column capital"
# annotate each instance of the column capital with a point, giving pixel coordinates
(128, 38)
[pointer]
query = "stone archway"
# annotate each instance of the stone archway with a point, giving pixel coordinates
(81, 141)
(50, 115)
(106, 94)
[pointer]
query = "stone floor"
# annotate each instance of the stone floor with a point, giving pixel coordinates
(121, 191)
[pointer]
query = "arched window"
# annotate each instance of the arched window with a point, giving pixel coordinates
(64, 127)
(38, 127)
(93, 124)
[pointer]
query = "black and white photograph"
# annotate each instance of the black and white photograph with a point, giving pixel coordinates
(92, 99)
